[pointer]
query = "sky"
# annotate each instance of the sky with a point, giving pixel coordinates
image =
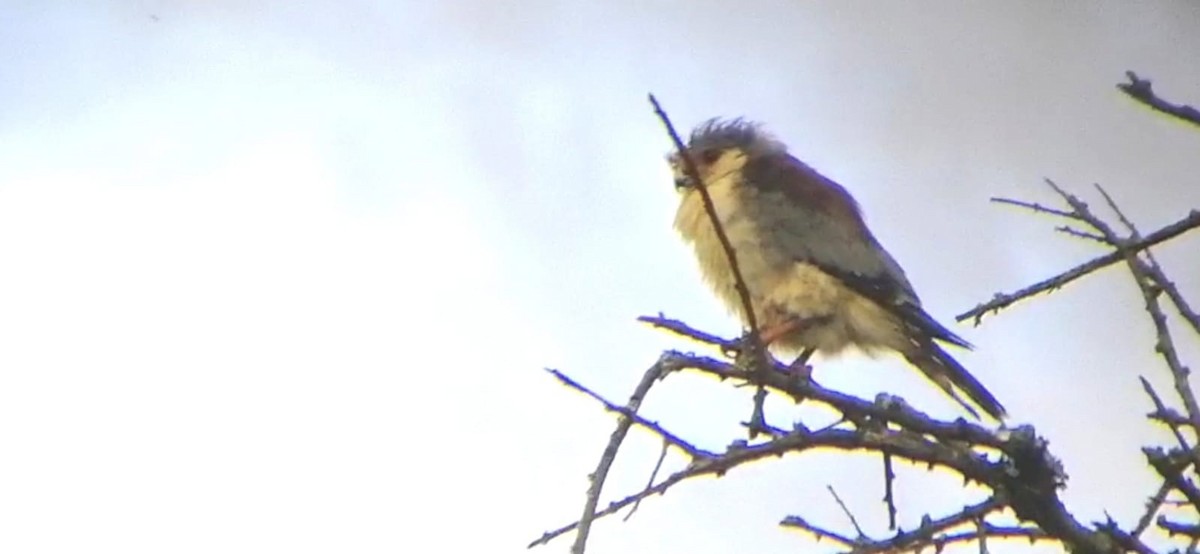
(285, 276)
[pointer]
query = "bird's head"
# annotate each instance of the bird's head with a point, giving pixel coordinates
(720, 148)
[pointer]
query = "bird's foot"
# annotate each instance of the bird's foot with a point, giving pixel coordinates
(767, 335)
(742, 350)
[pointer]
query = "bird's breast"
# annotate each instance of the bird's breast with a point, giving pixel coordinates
(760, 264)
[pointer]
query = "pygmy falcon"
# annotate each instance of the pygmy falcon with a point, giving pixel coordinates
(818, 279)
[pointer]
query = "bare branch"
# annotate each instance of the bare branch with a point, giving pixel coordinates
(929, 528)
(668, 437)
(930, 533)
(1004, 300)
(597, 478)
(710, 209)
(1155, 271)
(682, 329)
(845, 510)
(757, 351)
(1037, 208)
(889, 497)
(1068, 230)
(1031, 534)
(1178, 528)
(1171, 469)
(1165, 346)
(907, 445)
(1140, 90)
(653, 475)
(1163, 413)
(817, 532)
(1154, 504)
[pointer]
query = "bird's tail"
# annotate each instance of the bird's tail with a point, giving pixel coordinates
(948, 374)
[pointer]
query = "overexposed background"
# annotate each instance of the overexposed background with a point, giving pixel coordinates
(283, 276)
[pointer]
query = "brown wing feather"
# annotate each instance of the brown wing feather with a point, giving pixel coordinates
(823, 225)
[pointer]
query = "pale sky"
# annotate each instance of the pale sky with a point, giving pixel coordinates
(284, 276)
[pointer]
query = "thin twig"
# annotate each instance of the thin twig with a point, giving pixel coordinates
(1178, 528)
(1126, 542)
(981, 530)
(929, 532)
(1038, 208)
(928, 529)
(628, 413)
(1004, 300)
(845, 510)
(710, 209)
(1152, 506)
(1140, 90)
(1154, 270)
(1031, 534)
(1165, 345)
(758, 352)
(1161, 408)
(819, 533)
(651, 376)
(889, 498)
(1171, 471)
(653, 475)
(1068, 230)
(681, 328)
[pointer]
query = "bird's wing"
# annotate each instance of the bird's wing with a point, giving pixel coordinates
(817, 221)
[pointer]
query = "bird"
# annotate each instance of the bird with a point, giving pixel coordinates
(818, 279)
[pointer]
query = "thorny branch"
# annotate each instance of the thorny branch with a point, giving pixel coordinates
(1003, 300)
(936, 533)
(755, 357)
(1152, 282)
(653, 374)
(710, 209)
(1014, 464)
(1026, 475)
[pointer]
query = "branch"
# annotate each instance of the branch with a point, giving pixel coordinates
(1004, 300)
(1026, 475)
(652, 375)
(710, 209)
(889, 497)
(845, 510)
(1155, 271)
(667, 436)
(1140, 90)
(1171, 470)
(1162, 413)
(905, 445)
(819, 533)
(758, 352)
(1177, 528)
(1165, 346)
(921, 536)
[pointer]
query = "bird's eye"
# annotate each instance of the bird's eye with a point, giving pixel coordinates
(709, 155)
